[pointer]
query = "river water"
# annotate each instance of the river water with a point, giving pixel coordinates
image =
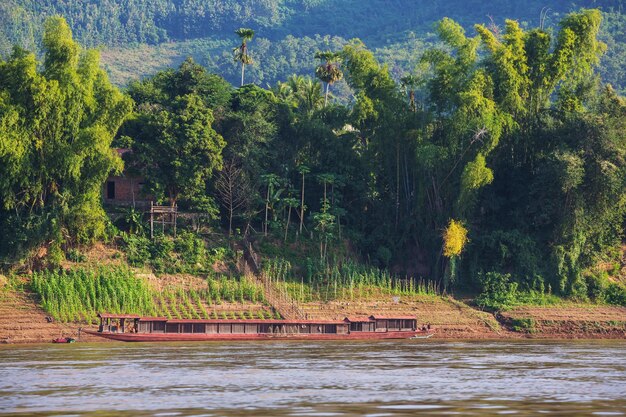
(375, 379)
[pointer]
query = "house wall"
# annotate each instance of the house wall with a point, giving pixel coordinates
(124, 191)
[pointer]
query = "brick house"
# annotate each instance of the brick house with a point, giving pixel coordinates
(125, 189)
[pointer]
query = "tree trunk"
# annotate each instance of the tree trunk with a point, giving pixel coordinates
(288, 220)
(397, 183)
(267, 206)
(243, 68)
(326, 94)
(302, 204)
(230, 219)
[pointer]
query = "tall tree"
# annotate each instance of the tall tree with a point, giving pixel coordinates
(234, 190)
(176, 148)
(57, 122)
(241, 52)
(328, 71)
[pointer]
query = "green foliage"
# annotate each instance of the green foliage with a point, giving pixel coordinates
(80, 294)
(498, 290)
(615, 294)
(508, 131)
(524, 325)
(238, 289)
(174, 146)
(187, 253)
(57, 122)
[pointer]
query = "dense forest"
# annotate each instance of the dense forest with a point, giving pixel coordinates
(497, 164)
(140, 37)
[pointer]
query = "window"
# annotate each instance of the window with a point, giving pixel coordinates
(356, 327)
(158, 326)
(171, 328)
(110, 190)
(330, 328)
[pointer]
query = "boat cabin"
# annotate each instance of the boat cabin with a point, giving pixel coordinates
(119, 323)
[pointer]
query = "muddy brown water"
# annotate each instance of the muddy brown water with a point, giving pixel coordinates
(385, 378)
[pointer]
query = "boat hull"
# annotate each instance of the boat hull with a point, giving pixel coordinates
(204, 337)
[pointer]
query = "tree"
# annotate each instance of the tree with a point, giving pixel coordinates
(234, 190)
(410, 82)
(57, 124)
(290, 202)
(328, 71)
(241, 52)
(176, 148)
(303, 170)
(272, 182)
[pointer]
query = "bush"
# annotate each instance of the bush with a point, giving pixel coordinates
(191, 249)
(615, 294)
(74, 255)
(524, 325)
(137, 249)
(596, 286)
(498, 290)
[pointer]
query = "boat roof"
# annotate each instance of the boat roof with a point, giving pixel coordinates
(356, 319)
(118, 316)
(250, 321)
(350, 319)
(394, 318)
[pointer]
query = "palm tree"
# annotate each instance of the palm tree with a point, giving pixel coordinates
(241, 52)
(303, 92)
(410, 82)
(328, 71)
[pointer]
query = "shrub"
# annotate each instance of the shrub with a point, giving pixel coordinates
(191, 249)
(524, 325)
(615, 294)
(75, 255)
(137, 249)
(498, 290)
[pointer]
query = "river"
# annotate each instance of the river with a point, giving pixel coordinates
(387, 378)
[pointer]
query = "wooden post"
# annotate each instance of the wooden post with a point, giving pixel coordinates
(151, 220)
(175, 217)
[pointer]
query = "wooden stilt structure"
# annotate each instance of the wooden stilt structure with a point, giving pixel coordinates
(165, 215)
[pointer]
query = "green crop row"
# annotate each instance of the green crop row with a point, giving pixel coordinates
(80, 294)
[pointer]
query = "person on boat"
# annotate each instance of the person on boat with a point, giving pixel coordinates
(428, 326)
(423, 327)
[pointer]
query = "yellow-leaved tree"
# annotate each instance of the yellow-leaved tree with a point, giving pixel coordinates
(454, 239)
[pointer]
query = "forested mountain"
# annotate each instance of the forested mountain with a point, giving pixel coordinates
(288, 31)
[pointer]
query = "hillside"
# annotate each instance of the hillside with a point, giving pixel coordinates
(139, 37)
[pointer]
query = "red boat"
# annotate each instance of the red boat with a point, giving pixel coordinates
(133, 328)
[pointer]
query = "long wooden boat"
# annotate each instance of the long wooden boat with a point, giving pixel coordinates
(133, 328)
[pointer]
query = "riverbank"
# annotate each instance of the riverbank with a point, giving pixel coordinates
(23, 321)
